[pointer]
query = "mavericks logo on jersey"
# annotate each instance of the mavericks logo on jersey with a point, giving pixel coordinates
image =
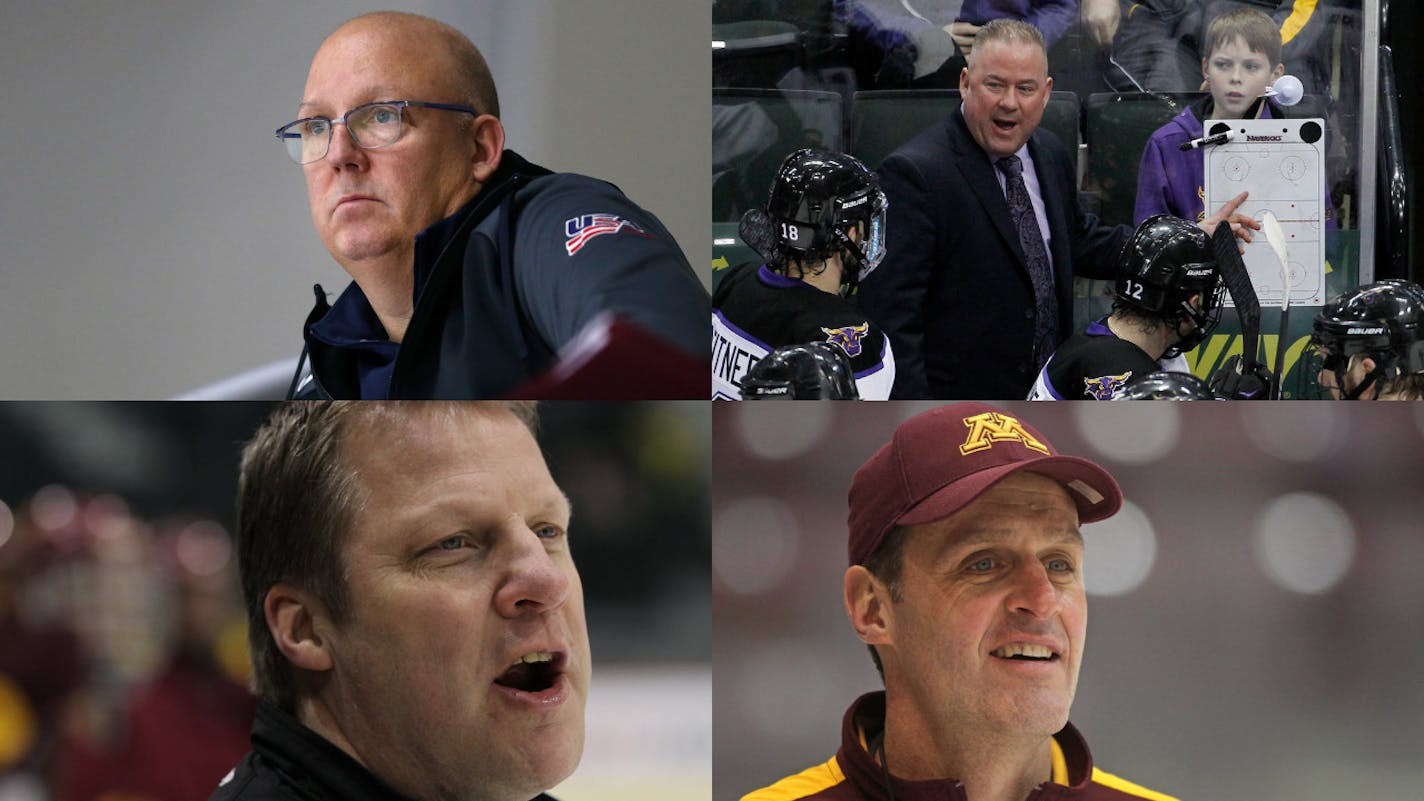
(584, 227)
(847, 338)
(1103, 387)
(990, 427)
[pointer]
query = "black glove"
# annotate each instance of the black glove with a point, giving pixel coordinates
(1230, 383)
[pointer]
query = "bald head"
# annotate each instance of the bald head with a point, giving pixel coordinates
(370, 201)
(400, 40)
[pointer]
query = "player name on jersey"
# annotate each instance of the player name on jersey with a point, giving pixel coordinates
(733, 354)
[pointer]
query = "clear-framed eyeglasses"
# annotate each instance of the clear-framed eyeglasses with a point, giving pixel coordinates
(371, 126)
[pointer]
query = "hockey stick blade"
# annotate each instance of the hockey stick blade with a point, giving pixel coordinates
(757, 229)
(1243, 294)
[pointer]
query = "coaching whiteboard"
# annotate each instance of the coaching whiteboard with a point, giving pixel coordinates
(1282, 164)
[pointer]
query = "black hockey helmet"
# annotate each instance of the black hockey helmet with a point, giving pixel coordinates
(1383, 320)
(814, 198)
(1165, 262)
(1164, 385)
(814, 371)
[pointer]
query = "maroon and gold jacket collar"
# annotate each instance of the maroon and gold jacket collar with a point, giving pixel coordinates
(865, 720)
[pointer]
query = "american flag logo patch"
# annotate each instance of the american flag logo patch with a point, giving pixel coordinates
(584, 227)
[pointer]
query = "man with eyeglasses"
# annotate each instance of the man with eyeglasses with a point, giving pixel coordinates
(472, 268)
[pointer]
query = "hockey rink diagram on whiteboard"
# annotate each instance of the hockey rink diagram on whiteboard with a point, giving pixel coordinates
(1281, 163)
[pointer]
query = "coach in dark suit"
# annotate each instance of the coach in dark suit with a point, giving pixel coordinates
(984, 234)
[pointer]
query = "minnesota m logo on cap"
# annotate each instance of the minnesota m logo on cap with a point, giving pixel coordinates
(914, 478)
(990, 427)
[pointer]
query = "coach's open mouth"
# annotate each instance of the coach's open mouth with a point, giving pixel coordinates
(532, 673)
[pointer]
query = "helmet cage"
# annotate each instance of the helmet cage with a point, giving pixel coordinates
(1384, 318)
(1206, 318)
(1335, 342)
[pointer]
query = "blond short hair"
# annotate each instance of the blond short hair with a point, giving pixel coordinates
(296, 498)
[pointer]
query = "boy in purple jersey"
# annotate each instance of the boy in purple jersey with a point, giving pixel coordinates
(1243, 59)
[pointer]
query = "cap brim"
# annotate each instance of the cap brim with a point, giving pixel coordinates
(1093, 489)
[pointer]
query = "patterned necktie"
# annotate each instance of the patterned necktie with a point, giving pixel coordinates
(1045, 330)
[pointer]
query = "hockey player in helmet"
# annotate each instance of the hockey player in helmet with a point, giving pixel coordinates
(822, 230)
(1369, 343)
(1167, 299)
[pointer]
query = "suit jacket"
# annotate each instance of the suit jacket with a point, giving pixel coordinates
(954, 292)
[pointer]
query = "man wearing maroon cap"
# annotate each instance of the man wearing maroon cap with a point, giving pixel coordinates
(966, 581)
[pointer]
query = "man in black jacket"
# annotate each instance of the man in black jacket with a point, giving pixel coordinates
(984, 234)
(414, 614)
(472, 268)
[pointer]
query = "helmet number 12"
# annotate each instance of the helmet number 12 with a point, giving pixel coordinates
(1134, 290)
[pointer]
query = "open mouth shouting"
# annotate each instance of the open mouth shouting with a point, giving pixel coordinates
(536, 678)
(1005, 125)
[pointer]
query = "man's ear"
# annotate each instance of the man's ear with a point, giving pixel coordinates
(1367, 366)
(488, 133)
(299, 624)
(867, 604)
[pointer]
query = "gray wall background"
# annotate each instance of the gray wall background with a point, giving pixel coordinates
(154, 238)
(1210, 680)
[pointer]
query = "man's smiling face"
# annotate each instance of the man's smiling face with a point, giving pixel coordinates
(987, 633)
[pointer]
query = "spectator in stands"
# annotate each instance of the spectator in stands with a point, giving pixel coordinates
(197, 704)
(42, 663)
(926, 43)
(1307, 39)
(1304, 27)
(1143, 47)
(1050, 17)
(1243, 60)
